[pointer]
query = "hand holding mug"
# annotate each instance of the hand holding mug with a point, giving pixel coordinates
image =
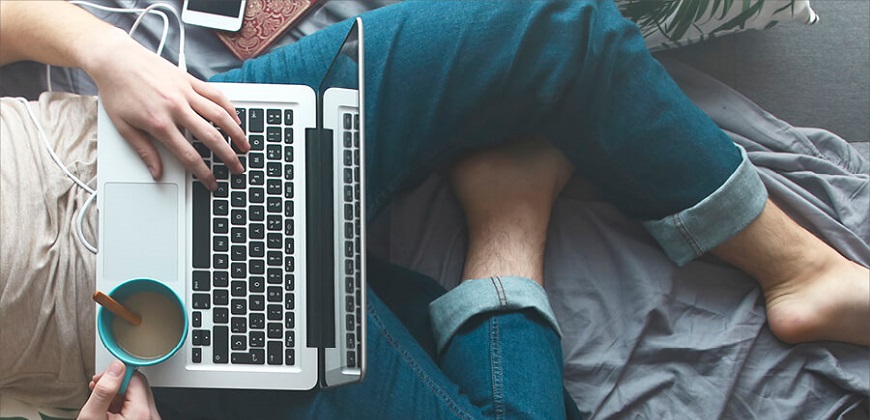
(105, 402)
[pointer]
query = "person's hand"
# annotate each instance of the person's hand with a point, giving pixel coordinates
(105, 403)
(144, 95)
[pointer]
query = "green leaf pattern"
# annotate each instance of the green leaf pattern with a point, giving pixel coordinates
(674, 23)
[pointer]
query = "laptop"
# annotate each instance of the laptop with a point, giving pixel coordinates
(271, 266)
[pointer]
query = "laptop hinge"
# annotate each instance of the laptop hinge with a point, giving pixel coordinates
(320, 231)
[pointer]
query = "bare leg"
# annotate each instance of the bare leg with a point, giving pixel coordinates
(812, 292)
(507, 194)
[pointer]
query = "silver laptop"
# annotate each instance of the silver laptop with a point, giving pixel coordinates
(271, 266)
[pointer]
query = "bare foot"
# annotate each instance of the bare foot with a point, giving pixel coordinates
(812, 292)
(507, 194)
(830, 304)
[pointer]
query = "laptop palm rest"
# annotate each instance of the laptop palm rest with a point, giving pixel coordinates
(141, 232)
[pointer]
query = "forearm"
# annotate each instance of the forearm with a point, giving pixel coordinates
(56, 33)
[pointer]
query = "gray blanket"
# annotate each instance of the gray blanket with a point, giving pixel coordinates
(643, 338)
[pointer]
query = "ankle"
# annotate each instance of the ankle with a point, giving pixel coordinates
(500, 250)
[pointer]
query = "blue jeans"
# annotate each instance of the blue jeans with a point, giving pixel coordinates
(445, 78)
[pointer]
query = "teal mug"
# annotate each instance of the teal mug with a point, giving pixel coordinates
(161, 333)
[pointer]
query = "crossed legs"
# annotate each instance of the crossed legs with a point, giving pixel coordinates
(811, 291)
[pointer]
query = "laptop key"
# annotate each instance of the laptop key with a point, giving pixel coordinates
(239, 306)
(258, 249)
(197, 319)
(238, 288)
(257, 160)
(221, 297)
(274, 330)
(256, 321)
(219, 225)
(258, 267)
(274, 312)
(239, 325)
(223, 190)
(254, 357)
(238, 253)
(289, 357)
(256, 141)
(220, 316)
(221, 342)
(221, 207)
(239, 342)
(288, 117)
(221, 278)
(273, 241)
(273, 134)
(273, 116)
(256, 285)
(221, 172)
(273, 294)
(256, 122)
(221, 243)
(273, 169)
(257, 339)
(289, 301)
(289, 339)
(201, 233)
(273, 276)
(288, 135)
(258, 213)
(196, 355)
(201, 301)
(274, 353)
(256, 303)
(201, 281)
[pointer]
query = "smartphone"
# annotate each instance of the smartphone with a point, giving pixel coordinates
(226, 15)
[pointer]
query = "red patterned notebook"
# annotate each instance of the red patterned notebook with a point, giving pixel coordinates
(264, 22)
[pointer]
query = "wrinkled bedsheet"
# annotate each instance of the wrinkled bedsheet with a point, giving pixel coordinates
(643, 338)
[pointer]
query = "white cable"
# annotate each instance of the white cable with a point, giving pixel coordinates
(48, 76)
(80, 222)
(75, 179)
(182, 61)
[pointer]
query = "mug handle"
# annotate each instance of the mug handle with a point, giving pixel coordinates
(128, 374)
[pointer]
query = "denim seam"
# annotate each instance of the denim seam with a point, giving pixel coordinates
(503, 293)
(415, 367)
(497, 374)
(687, 234)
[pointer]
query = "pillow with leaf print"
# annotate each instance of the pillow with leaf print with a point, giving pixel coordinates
(675, 23)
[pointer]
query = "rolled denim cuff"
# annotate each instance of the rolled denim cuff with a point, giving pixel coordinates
(494, 294)
(733, 206)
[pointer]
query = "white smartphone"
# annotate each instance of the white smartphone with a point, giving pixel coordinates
(226, 15)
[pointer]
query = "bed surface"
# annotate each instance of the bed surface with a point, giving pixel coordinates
(642, 336)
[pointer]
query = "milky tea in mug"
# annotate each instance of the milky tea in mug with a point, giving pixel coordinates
(160, 330)
(160, 334)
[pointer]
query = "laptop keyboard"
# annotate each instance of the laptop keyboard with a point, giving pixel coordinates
(350, 247)
(243, 300)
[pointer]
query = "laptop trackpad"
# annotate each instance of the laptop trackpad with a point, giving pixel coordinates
(140, 225)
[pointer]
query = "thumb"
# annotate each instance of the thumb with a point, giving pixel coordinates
(105, 390)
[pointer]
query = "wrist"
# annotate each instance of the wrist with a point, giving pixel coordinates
(97, 47)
